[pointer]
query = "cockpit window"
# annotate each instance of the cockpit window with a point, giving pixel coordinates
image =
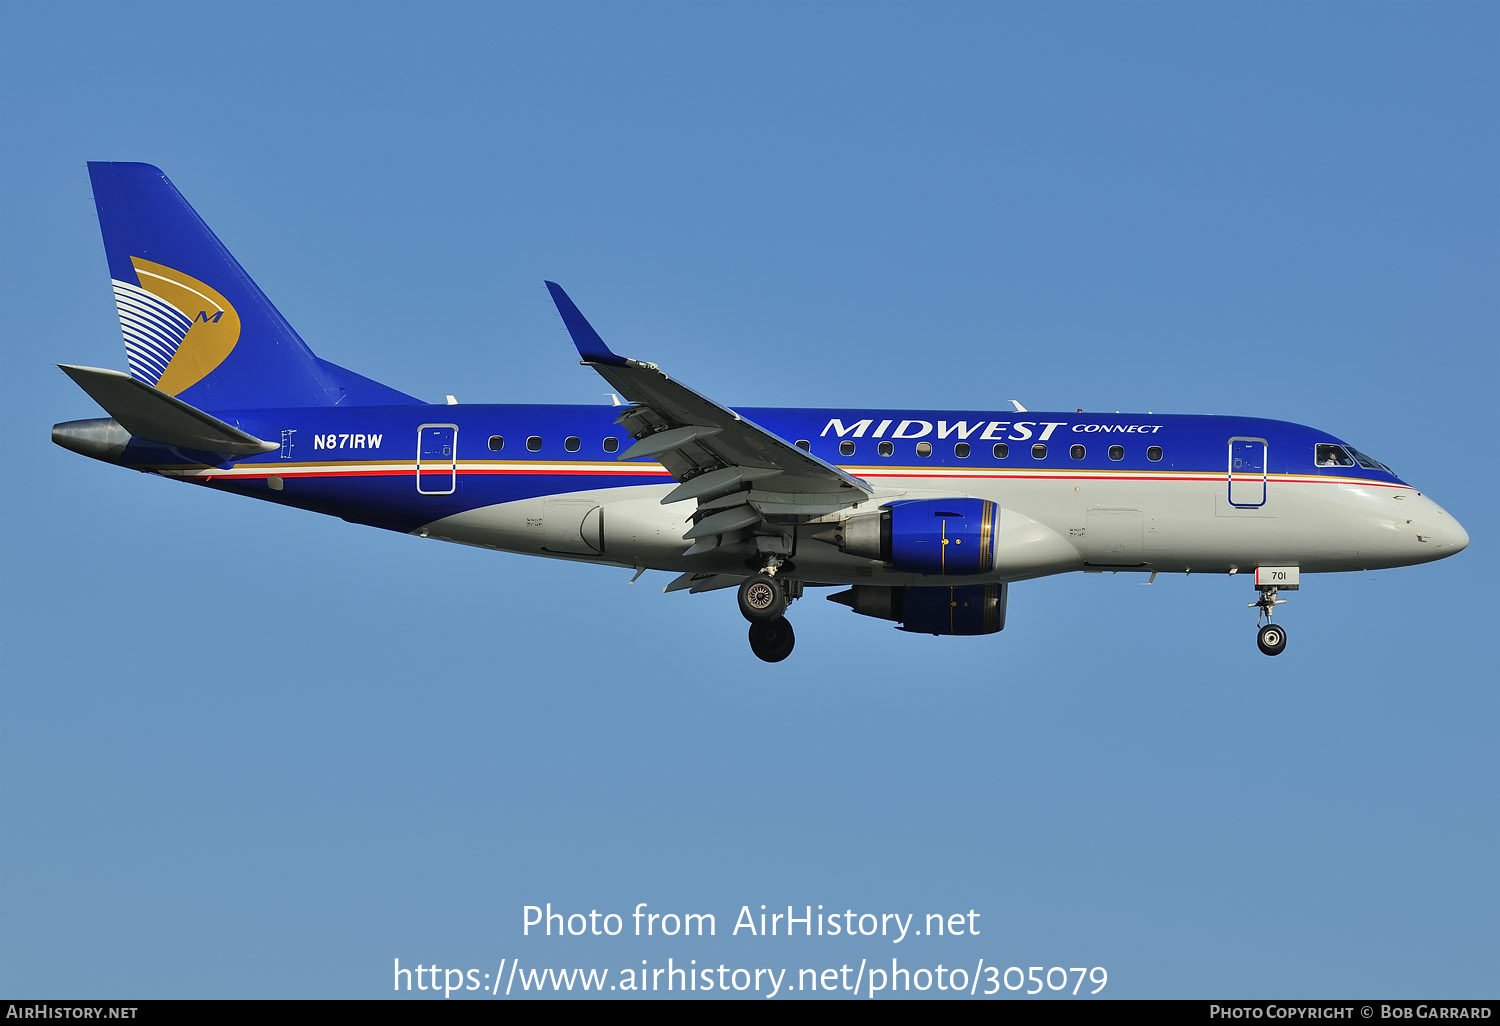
(1369, 462)
(1333, 456)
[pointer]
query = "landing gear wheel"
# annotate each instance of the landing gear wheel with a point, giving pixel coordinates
(773, 640)
(1271, 639)
(762, 599)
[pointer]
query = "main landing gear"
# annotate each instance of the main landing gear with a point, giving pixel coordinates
(772, 640)
(1271, 638)
(763, 600)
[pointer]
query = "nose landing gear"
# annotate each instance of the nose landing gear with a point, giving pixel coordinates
(1271, 638)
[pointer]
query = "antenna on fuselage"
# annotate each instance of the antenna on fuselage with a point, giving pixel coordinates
(1017, 404)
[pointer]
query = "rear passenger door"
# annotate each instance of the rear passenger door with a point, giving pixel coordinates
(437, 459)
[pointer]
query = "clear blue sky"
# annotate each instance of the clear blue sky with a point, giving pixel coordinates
(250, 751)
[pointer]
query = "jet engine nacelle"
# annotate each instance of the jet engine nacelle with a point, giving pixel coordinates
(926, 536)
(972, 609)
(945, 537)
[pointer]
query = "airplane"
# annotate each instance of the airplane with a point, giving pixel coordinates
(924, 518)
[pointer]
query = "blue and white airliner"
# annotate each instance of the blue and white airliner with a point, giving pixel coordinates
(922, 517)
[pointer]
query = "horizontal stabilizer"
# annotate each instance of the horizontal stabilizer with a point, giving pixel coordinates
(155, 416)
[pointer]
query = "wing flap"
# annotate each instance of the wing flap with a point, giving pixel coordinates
(671, 438)
(723, 522)
(696, 583)
(716, 482)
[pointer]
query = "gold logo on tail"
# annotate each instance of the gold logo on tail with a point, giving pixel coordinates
(177, 329)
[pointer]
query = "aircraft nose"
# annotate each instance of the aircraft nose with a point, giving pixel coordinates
(1443, 531)
(1452, 537)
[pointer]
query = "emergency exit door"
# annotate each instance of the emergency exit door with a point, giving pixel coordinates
(1247, 471)
(437, 459)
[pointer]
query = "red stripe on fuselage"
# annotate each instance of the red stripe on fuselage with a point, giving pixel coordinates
(260, 472)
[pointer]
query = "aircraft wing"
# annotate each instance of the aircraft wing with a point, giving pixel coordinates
(741, 474)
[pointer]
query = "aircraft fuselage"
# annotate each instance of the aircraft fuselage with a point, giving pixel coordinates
(1144, 492)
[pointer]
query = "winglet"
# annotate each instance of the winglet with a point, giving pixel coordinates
(590, 346)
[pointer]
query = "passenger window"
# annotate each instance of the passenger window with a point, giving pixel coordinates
(534, 442)
(611, 444)
(804, 445)
(1039, 451)
(1333, 456)
(846, 448)
(571, 443)
(1117, 452)
(961, 450)
(496, 443)
(924, 449)
(1076, 452)
(886, 448)
(1002, 451)
(1154, 454)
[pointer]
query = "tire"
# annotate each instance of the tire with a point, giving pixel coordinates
(762, 599)
(1271, 639)
(772, 641)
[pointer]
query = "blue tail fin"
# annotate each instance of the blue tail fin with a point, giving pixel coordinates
(195, 325)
